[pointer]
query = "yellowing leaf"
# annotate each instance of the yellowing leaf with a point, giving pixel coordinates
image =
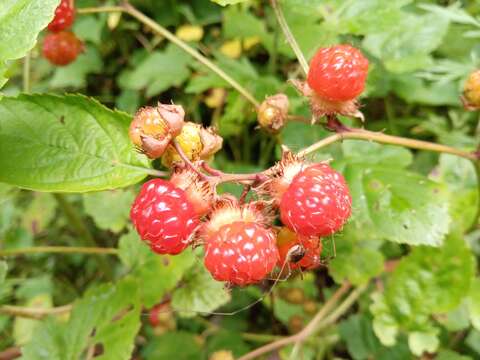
(232, 48)
(251, 41)
(215, 98)
(190, 32)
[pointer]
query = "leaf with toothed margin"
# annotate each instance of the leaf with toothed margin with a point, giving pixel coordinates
(66, 143)
(20, 23)
(108, 317)
(389, 202)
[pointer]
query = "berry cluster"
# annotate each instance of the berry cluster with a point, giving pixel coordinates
(61, 46)
(241, 243)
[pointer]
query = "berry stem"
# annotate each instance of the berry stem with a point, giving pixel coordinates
(100, 9)
(58, 250)
(33, 312)
(308, 330)
(360, 134)
(187, 161)
(157, 28)
(289, 36)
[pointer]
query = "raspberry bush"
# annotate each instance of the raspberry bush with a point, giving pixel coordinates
(239, 180)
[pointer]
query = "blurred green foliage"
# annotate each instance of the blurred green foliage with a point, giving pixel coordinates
(411, 208)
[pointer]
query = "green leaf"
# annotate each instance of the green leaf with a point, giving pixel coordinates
(200, 293)
(39, 212)
(109, 209)
(161, 274)
(158, 71)
(357, 332)
(454, 13)
(66, 144)
(355, 262)
(178, 345)
(407, 44)
(304, 19)
(108, 315)
(459, 175)
(368, 16)
(451, 355)
(416, 290)
(133, 252)
(473, 303)
(20, 23)
(241, 70)
(420, 342)
(89, 28)
(415, 90)
(3, 270)
(392, 203)
(457, 319)
(362, 344)
(473, 340)
(75, 74)
(358, 257)
(227, 340)
(23, 328)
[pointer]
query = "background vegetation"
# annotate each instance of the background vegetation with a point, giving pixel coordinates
(403, 283)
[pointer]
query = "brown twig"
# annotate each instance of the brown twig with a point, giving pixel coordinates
(160, 30)
(306, 332)
(11, 353)
(382, 138)
(289, 36)
(32, 312)
(58, 250)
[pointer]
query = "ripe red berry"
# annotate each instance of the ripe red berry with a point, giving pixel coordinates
(299, 251)
(61, 48)
(338, 73)
(64, 16)
(239, 249)
(317, 202)
(241, 253)
(164, 217)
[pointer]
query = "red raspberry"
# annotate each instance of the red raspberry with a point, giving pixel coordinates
(241, 253)
(300, 251)
(317, 202)
(338, 73)
(64, 16)
(61, 48)
(163, 216)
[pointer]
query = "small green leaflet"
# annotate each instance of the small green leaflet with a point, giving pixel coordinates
(20, 23)
(390, 202)
(66, 144)
(112, 310)
(200, 293)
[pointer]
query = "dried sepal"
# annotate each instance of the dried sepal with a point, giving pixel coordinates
(281, 175)
(273, 112)
(471, 92)
(323, 107)
(199, 192)
(196, 142)
(153, 128)
(227, 210)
